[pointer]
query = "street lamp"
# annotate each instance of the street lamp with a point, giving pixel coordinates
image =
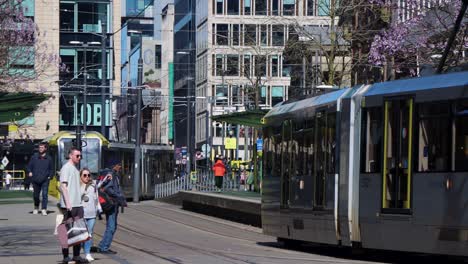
(136, 178)
(85, 73)
(189, 107)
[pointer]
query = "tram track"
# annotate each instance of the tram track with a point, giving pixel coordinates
(226, 255)
(185, 223)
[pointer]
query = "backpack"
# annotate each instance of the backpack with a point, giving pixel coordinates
(107, 203)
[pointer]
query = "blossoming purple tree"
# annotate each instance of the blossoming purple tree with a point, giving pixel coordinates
(418, 35)
(23, 57)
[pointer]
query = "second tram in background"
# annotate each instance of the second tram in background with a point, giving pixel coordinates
(157, 161)
(381, 166)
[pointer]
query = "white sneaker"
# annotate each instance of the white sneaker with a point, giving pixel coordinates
(89, 257)
(35, 211)
(44, 212)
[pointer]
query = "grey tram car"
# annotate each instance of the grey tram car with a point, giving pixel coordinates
(382, 166)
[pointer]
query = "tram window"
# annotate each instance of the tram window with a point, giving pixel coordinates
(309, 162)
(297, 177)
(434, 144)
(461, 136)
(269, 151)
(331, 142)
(371, 132)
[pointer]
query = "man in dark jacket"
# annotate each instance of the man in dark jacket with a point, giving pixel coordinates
(40, 170)
(110, 183)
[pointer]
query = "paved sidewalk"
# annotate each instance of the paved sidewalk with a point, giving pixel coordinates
(28, 238)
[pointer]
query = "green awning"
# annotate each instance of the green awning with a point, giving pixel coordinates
(252, 118)
(16, 106)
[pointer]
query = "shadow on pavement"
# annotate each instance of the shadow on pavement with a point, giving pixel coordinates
(348, 253)
(21, 241)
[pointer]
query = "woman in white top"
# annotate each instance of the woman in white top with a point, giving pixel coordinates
(91, 207)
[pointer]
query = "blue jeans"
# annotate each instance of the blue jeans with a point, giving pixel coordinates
(87, 245)
(111, 227)
(38, 188)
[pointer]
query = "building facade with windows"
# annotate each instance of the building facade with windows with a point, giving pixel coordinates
(149, 20)
(89, 34)
(240, 64)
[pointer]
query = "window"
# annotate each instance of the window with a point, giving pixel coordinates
(278, 35)
(275, 7)
(277, 95)
(292, 33)
(247, 7)
(261, 7)
(263, 95)
(250, 36)
(247, 66)
(296, 181)
(222, 34)
(260, 65)
(461, 136)
(323, 7)
(221, 95)
(28, 8)
(232, 65)
(235, 35)
(233, 7)
(330, 143)
(274, 66)
(135, 7)
(371, 140)
(397, 160)
(157, 57)
(91, 16)
(309, 161)
(310, 8)
(219, 7)
(286, 163)
(219, 65)
(263, 35)
(236, 95)
(67, 19)
(288, 7)
(434, 144)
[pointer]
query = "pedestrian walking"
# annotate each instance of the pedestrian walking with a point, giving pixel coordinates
(90, 207)
(7, 180)
(40, 171)
(219, 170)
(70, 202)
(109, 183)
(243, 178)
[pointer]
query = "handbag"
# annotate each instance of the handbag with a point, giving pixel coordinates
(73, 231)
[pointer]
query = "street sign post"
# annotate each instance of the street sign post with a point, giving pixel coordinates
(5, 161)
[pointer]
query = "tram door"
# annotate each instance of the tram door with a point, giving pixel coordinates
(286, 163)
(398, 130)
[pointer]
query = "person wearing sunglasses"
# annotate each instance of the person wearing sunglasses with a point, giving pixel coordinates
(91, 207)
(70, 202)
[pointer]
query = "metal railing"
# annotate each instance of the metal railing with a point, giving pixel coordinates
(201, 180)
(16, 180)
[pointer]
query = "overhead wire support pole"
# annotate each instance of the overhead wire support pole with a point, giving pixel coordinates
(104, 79)
(85, 99)
(456, 28)
(136, 178)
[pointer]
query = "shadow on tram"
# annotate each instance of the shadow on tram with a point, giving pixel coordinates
(359, 254)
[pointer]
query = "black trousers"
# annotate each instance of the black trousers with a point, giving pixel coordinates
(219, 181)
